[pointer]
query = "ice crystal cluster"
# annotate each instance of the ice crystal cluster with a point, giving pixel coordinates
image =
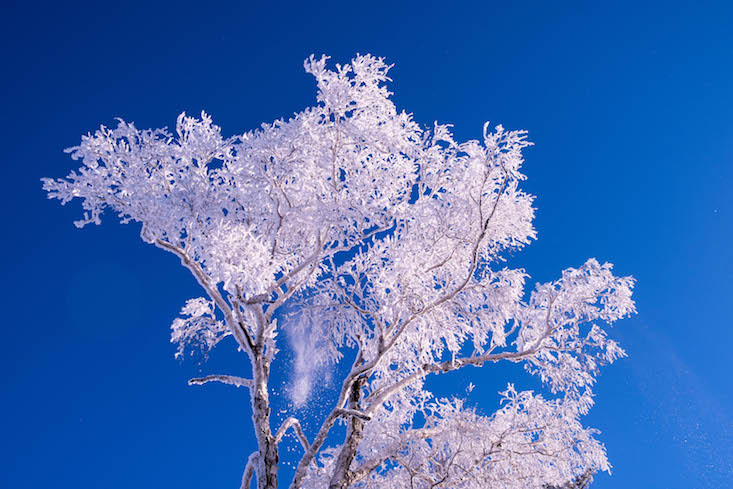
(386, 239)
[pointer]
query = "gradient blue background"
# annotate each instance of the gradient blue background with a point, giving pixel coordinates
(629, 105)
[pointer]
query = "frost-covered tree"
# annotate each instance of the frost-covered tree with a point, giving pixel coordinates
(381, 243)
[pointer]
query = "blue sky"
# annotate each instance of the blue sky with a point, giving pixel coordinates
(629, 105)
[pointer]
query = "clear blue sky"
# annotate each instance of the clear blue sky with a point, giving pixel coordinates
(629, 105)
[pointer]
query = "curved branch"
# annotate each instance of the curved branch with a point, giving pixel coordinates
(295, 424)
(248, 471)
(429, 368)
(240, 332)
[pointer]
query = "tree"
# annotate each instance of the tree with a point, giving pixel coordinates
(381, 243)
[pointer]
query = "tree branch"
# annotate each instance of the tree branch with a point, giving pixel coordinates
(248, 471)
(352, 412)
(383, 394)
(224, 379)
(312, 450)
(295, 424)
(398, 330)
(325, 427)
(239, 331)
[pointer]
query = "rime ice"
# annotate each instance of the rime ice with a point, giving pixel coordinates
(385, 241)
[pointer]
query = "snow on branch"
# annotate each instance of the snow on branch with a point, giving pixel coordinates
(529, 442)
(295, 424)
(352, 412)
(249, 471)
(200, 329)
(224, 379)
(354, 229)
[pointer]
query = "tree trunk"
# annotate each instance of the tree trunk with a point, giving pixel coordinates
(341, 477)
(267, 463)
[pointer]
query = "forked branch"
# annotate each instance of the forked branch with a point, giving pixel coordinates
(295, 424)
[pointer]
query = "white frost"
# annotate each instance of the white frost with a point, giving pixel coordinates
(386, 241)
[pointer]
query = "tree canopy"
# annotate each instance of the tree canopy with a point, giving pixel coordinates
(383, 244)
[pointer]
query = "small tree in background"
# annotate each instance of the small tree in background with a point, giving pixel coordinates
(384, 241)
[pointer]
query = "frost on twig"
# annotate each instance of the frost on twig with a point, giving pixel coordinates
(200, 329)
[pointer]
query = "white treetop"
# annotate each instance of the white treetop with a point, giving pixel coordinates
(384, 241)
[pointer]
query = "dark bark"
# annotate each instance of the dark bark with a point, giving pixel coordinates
(342, 474)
